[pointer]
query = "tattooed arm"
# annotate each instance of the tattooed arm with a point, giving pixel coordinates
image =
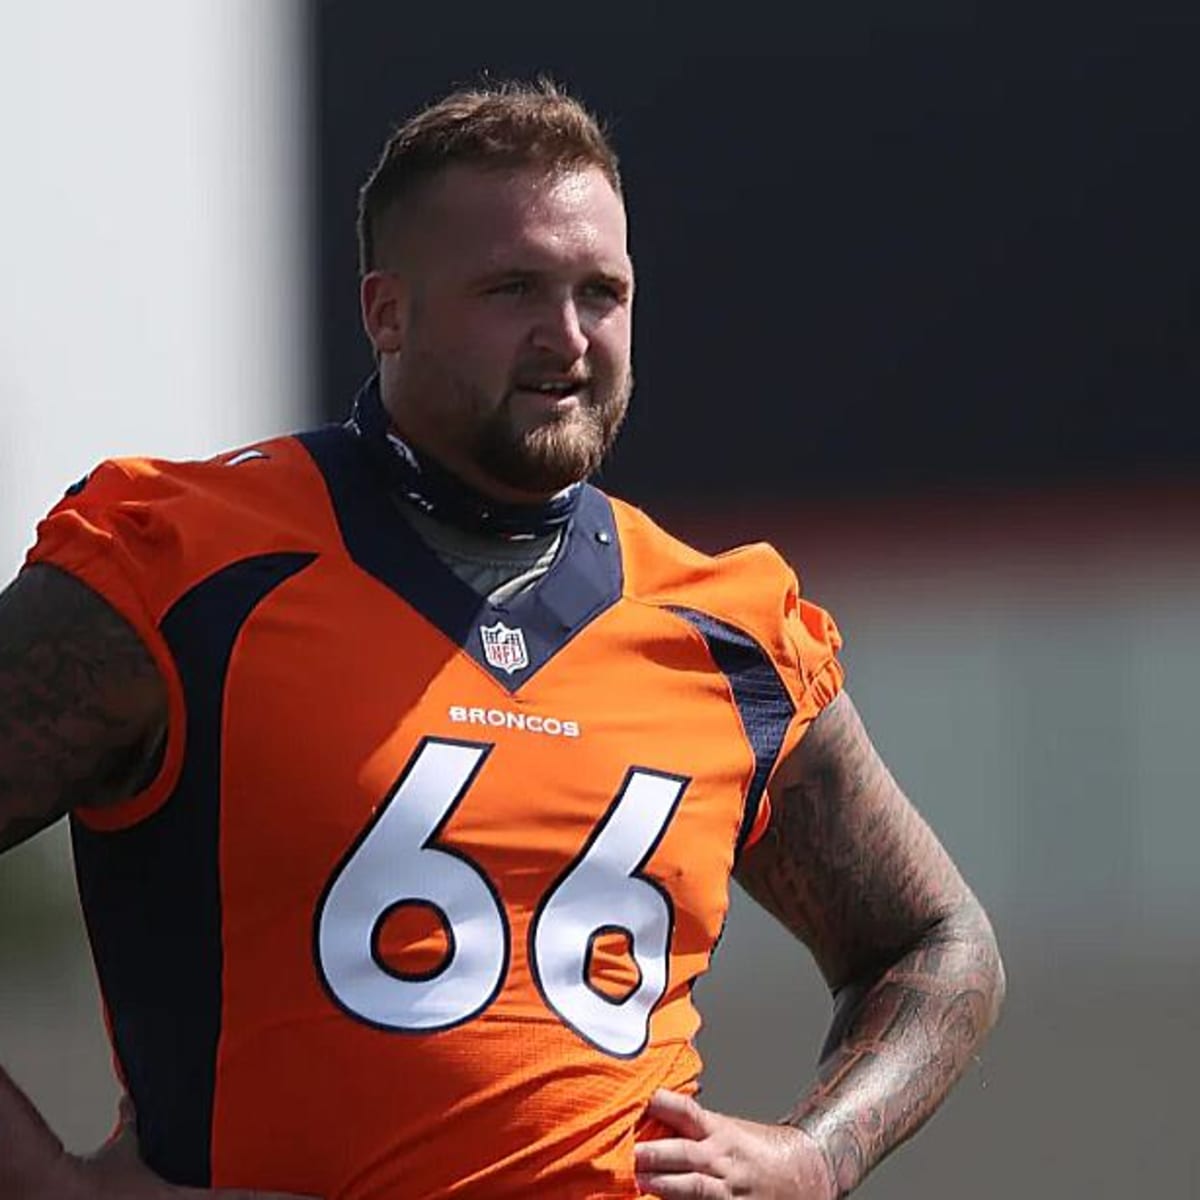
(82, 720)
(849, 866)
(83, 708)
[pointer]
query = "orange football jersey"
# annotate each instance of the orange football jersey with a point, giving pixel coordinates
(415, 906)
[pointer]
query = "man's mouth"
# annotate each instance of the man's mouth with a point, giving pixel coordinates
(556, 387)
(552, 389)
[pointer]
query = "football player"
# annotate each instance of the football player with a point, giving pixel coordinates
(407, 771)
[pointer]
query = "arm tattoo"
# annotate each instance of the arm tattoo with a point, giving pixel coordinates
(83, 707)
(849, 866)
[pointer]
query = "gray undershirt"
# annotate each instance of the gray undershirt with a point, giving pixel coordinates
(495, 567)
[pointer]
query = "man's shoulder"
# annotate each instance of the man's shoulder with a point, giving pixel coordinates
(742, 597)
(162, 525)
(664, 569)
(251, 475)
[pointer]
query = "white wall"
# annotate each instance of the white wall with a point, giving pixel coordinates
(152, 267)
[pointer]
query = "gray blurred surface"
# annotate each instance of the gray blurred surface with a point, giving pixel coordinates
(1037, 702)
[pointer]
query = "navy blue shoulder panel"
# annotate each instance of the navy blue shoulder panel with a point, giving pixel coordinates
(584, 581)
(151, 894)
(762, 700)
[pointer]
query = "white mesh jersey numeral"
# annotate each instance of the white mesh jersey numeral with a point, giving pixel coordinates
(601, 892)
(395, 864)
(399, 861)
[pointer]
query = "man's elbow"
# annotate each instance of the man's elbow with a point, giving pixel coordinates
(971, 931)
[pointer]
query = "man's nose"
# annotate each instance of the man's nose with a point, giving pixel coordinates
(559, 329)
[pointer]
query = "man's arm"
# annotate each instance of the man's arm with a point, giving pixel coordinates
(83, 708)
(850, 867)
(83, 714)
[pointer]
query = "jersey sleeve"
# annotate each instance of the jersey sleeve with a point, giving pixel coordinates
(750, 589)
(116, 532)
(809, 641)
(142, 533)
(814, 641)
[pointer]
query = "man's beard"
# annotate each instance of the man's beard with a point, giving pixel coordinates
(556, 453)
(540, 460)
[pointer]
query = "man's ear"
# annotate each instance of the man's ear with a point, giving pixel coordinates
(383, 298)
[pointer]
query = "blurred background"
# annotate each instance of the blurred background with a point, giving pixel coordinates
(919, 301)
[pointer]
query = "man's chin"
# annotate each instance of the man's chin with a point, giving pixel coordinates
(540, 471)
(538, 480)
(563, 448)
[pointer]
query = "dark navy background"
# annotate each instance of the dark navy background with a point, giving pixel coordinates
(879, 246)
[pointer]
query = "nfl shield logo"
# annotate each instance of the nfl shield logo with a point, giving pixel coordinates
(504, 648)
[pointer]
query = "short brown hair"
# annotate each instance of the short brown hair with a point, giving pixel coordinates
(511, 124)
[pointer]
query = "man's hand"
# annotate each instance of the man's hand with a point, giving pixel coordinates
(718, 1157)
(116, 1172)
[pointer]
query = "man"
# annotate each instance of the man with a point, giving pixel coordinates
(407, 772)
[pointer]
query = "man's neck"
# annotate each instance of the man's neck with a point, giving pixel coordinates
(432, 489)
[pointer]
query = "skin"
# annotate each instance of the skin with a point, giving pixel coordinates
(84, 707)
(492, 283)
(495, 282)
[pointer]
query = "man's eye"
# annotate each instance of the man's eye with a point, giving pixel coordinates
(608, 293)
(510, 287)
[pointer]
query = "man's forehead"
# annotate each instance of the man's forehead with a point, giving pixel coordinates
(482, 204)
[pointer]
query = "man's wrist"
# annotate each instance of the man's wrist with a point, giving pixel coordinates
(815, 1175)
